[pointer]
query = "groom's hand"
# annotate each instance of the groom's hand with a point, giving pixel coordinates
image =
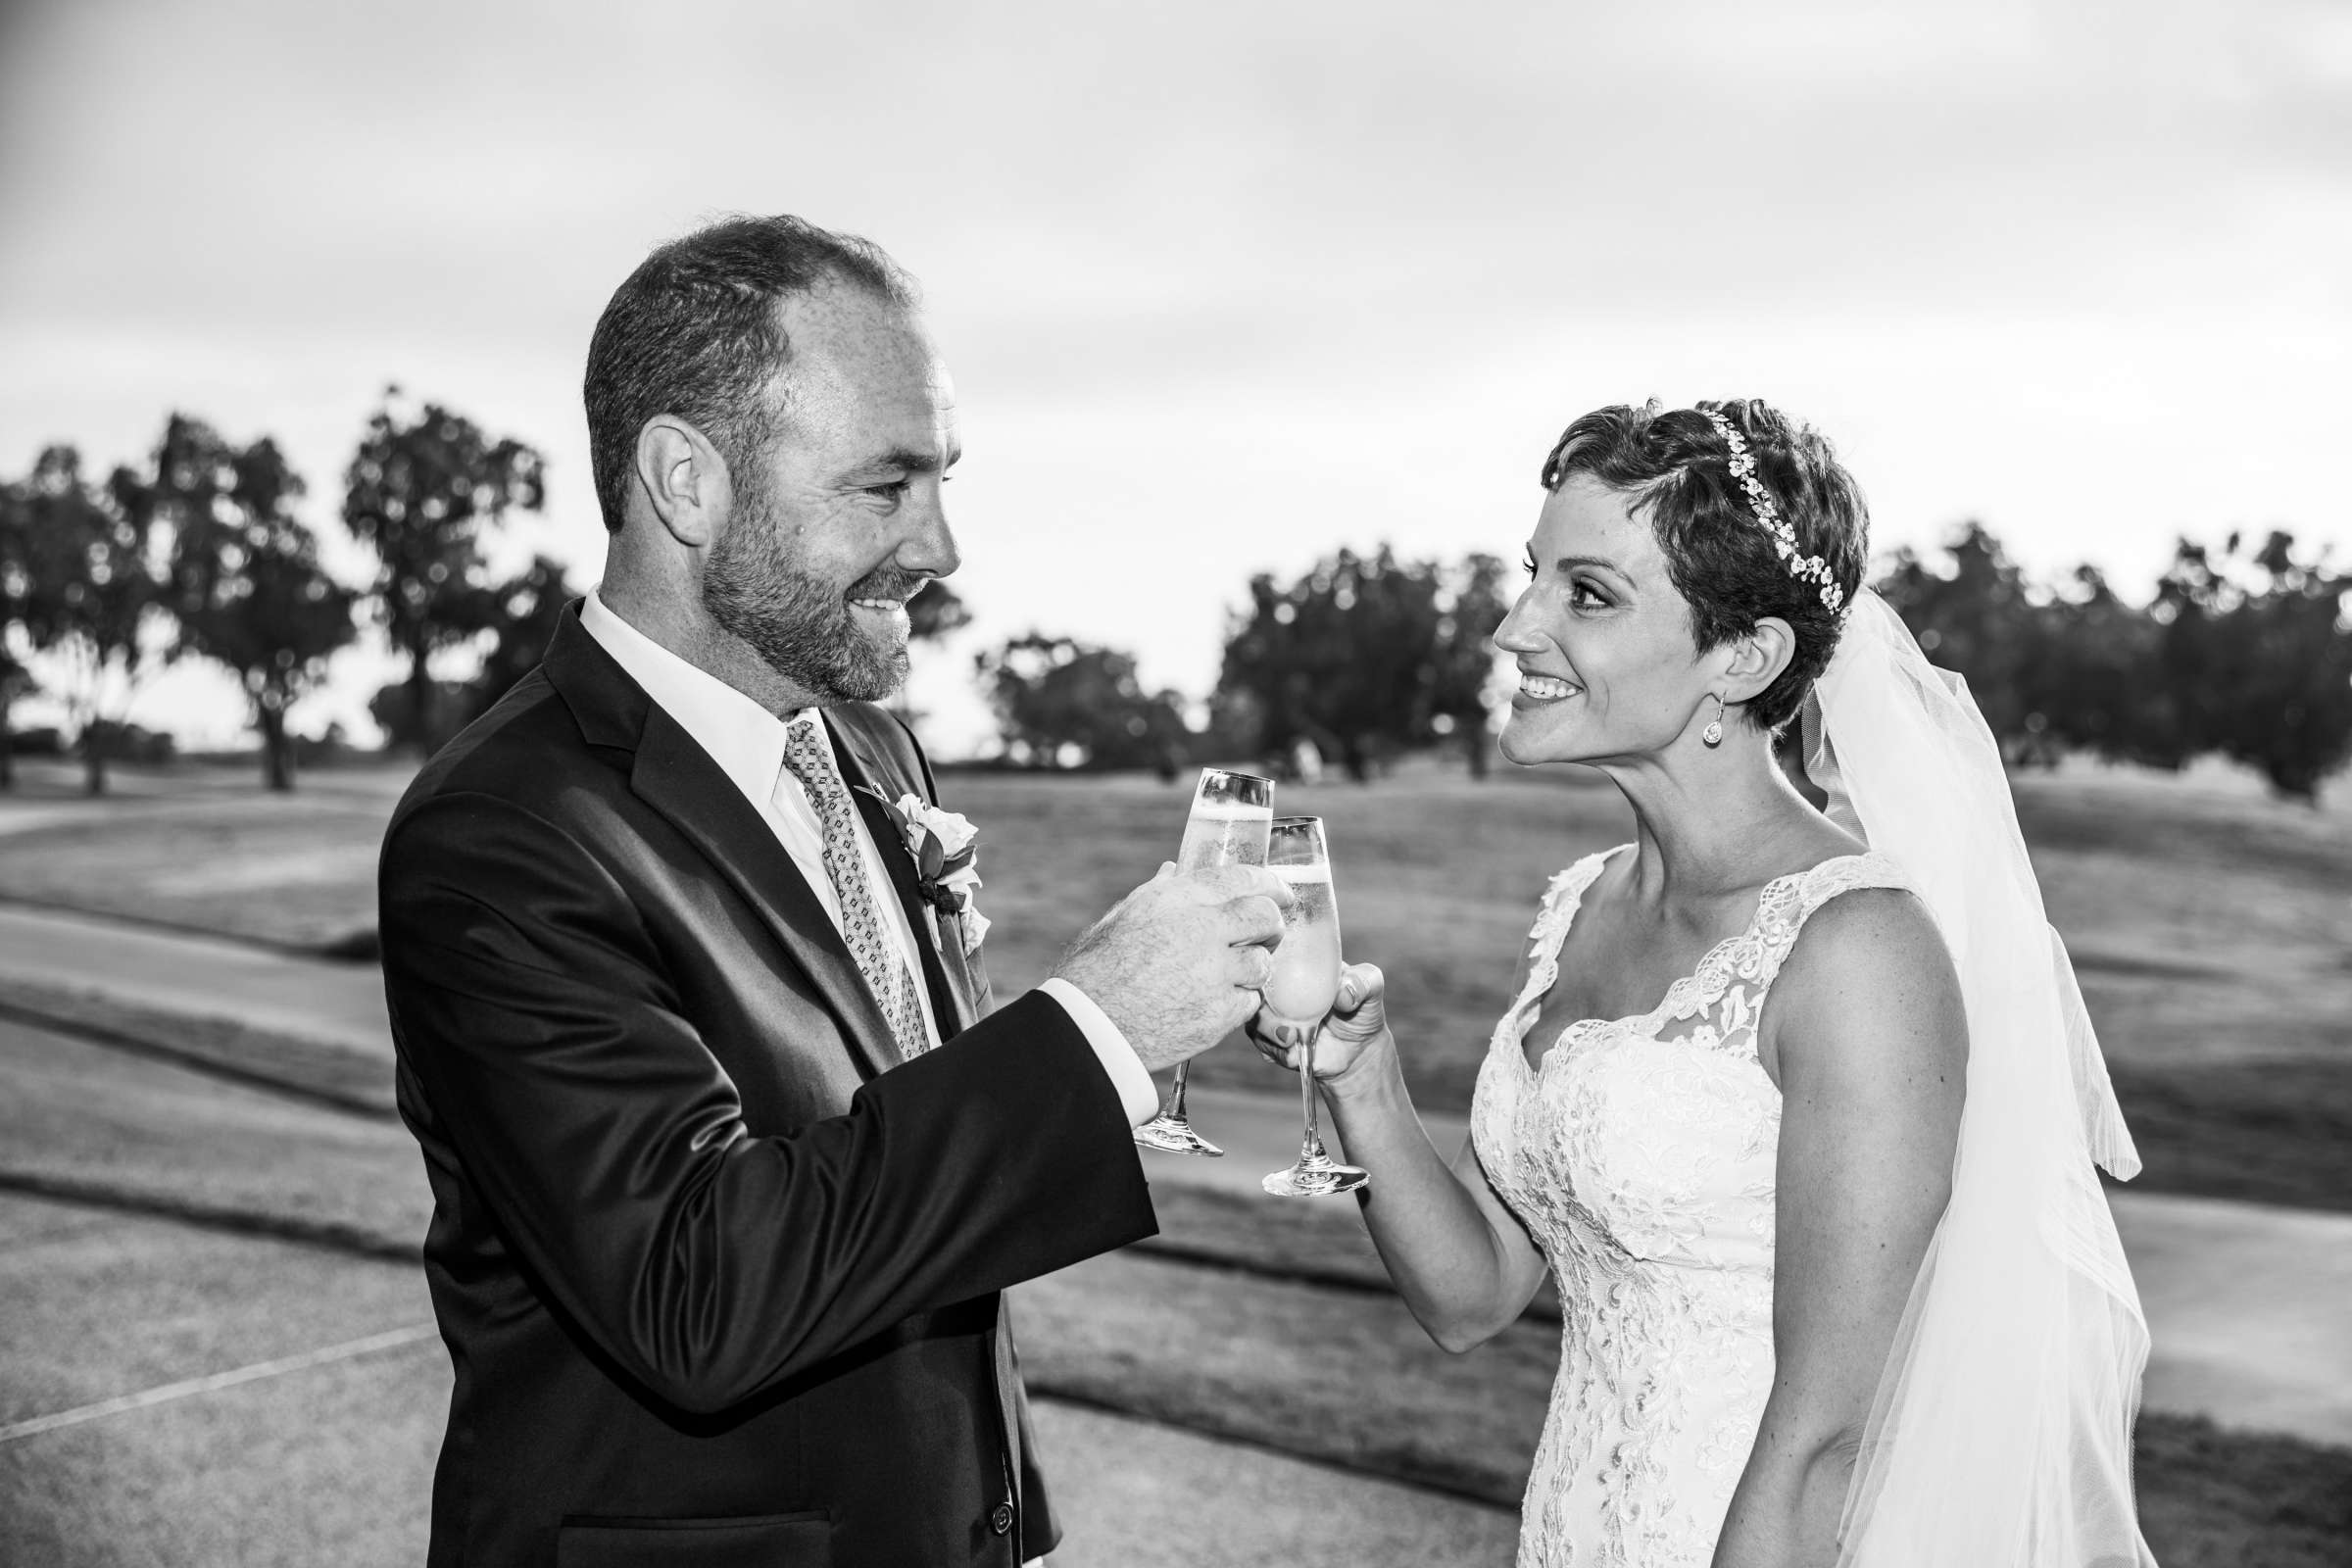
(1177, 965)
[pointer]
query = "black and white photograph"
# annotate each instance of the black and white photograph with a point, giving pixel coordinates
(1213, 785)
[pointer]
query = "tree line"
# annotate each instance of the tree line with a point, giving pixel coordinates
(200, 554)
(2243, 652)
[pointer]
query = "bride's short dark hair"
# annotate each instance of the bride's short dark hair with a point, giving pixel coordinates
(1675, 468)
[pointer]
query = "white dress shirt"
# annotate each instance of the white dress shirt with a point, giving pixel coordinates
(747, 742)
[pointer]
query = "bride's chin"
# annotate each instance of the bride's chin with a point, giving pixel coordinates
(1517, 745)
(1535, 738)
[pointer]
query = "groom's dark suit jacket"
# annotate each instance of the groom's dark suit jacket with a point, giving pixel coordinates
(718, 1273)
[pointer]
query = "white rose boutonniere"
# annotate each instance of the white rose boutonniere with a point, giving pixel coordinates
(945, 848)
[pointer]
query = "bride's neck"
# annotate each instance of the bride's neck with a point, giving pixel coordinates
(1718, 824)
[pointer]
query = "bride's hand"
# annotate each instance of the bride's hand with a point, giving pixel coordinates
(1355, 1032)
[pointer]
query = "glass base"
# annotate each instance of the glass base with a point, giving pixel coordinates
(1319, 1177)
(1174, 1135)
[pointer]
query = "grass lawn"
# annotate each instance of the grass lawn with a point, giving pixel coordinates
(1354, 1380)
(2210, 931)
(2211, 926)
(1254, 1320)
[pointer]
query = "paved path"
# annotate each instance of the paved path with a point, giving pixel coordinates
(334, 1456)
(2245, 1301)
(341, 1004)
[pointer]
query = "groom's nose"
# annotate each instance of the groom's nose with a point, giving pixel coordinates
(930, 544)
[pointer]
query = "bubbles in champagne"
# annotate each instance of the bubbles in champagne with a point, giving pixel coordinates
(1222, 833)
(1307, 966)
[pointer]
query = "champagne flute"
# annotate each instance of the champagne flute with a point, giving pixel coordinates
(1300, 993)
(1232, 814)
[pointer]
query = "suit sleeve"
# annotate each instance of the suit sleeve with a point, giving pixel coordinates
(609, 1143)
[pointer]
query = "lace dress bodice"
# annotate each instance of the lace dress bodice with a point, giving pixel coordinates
(1640, 1155)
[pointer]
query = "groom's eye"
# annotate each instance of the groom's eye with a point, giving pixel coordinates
(891, 491)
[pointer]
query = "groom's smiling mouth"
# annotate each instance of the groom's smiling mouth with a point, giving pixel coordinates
(884, 594)
(891, 615)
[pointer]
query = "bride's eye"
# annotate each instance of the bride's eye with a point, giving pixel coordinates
(1527, 563)
(1585, 596)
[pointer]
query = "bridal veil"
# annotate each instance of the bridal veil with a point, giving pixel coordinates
(2001, 1432)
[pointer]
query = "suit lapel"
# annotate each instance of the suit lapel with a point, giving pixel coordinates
(678, 778)
(862, 773)
(674, 776)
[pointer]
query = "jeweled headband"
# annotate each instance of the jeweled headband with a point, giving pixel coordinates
(1803, 567)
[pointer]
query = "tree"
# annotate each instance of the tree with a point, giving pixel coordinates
(523, 614)
(933, 614)
(2266, 665)
(2247, 655)
(935, 611)
(1462, 657)
(520, 616)
(1975, 616)
(15, 677)
(1349, 657)
(394, 709)
(2094, 681)
(93, 592)
(244, 579)
(419, 491)
(1061, 702)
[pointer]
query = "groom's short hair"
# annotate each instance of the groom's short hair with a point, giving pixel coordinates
(695, 332)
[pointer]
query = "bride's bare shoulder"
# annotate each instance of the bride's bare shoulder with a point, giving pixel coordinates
(1870, 978)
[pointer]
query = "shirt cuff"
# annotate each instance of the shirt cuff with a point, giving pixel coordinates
(1119, 1057)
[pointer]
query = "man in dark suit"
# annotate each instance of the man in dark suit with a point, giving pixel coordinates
(730, 1157)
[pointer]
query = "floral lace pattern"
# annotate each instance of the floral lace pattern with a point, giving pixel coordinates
(1639, 1154)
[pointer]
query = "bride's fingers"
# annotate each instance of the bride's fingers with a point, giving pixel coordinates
(1274, 1051)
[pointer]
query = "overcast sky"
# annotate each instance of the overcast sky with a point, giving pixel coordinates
(1227, 286)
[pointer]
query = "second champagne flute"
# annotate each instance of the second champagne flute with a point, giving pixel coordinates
(1298, 995)
(1232, 816)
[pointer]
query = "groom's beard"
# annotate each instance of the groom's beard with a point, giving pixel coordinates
(801, 625)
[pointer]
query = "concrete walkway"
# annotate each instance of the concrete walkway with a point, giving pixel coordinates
(240, 1401)
(339, 1005)
(2245, 1302)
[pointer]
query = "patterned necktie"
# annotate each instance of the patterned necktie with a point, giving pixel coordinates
(878, 956)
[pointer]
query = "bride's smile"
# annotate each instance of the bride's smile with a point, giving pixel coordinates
(1608, 669)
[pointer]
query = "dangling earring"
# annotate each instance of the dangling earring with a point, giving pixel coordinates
(1712, 735)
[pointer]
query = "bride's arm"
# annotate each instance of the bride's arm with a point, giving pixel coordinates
(1462, 1262)
(1867, 1033)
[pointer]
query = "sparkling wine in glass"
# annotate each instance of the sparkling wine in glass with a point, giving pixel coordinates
(1232, 816)
(1300, 993)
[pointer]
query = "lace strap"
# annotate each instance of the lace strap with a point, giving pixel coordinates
(1789, 903)
(1561, 900)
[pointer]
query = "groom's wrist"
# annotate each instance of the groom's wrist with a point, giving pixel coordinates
(1126, 1070)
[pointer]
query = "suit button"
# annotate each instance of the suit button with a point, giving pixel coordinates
(999, 1518)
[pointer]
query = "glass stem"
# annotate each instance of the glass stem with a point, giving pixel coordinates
(1311, 1151)
(1173, 1111)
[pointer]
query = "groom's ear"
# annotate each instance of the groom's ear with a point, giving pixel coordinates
(1756, 660)
(683, 479)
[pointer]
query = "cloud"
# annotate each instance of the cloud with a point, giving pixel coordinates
(1228, 285)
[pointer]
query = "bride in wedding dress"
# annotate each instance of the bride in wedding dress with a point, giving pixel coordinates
(1797, 1103)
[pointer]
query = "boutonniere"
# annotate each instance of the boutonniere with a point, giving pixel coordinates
(945, 848)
